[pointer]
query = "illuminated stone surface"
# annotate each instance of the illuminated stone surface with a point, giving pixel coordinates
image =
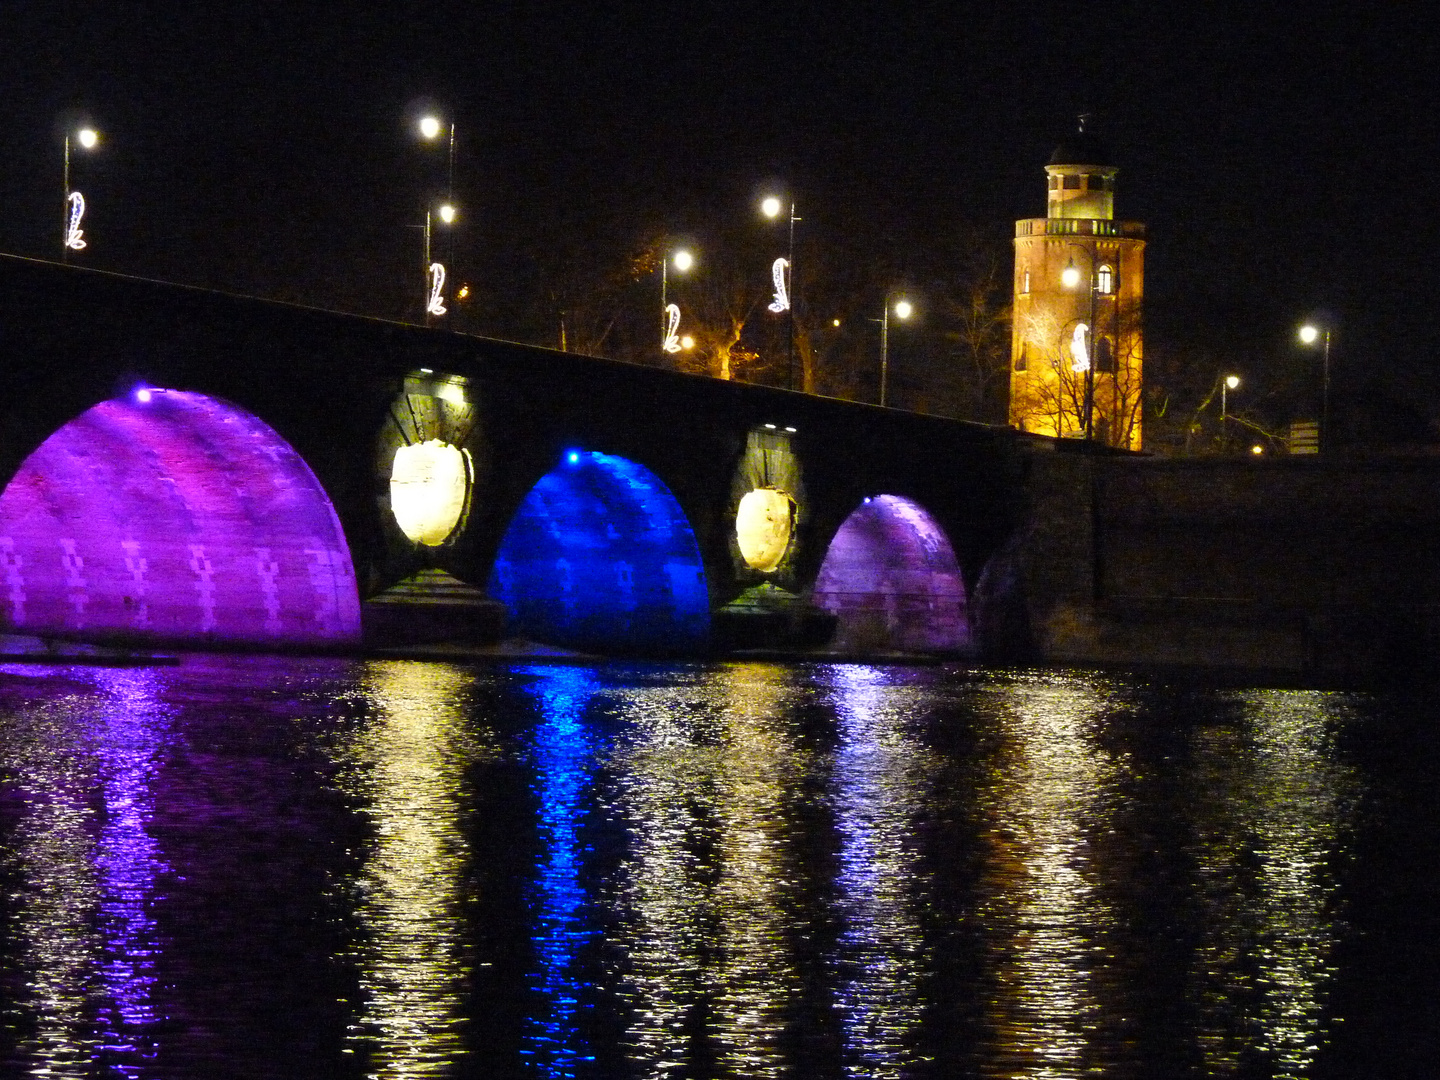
(891, 577)
(180, 518)
(763, 525)
(600, 556)
(429, 485)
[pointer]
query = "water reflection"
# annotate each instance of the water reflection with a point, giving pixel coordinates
(704, 780)
(1271, 821)
(84, 767)
(1046, 797)
(564, 763)
(880, 786)
(407, 770)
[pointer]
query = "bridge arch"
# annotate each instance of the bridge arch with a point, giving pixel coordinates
(601, 556)
(169, 516)
(891, 577)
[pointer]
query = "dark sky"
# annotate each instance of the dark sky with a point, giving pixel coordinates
(1279, 161)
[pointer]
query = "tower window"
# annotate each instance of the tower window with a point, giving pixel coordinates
(1025, 282)
(1104, 357)
(1105, 280)
(1072, 182)
(1095, 182)
(1020, 359)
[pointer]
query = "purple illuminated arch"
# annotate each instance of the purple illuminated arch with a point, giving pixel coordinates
(891, 577)
(177, 518)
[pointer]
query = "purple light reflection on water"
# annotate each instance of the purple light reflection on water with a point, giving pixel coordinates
(879, 796)
(129, 860)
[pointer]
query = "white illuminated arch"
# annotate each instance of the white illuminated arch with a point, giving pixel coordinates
(764, 522)
(429, 486)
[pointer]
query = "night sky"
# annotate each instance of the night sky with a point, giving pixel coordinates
(1279, 161)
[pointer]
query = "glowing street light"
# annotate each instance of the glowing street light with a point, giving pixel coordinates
(783, 272)
(903, 310)
(670, 341)
(1309, 334)
(73, 237)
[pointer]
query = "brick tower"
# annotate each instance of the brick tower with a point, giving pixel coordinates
(1076, 349)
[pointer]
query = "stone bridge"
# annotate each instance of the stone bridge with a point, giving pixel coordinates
(183, 467)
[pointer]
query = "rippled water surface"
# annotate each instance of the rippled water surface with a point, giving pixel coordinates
(252, 867)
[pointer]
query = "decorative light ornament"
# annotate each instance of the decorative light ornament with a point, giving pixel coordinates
(782, 294)
(1079, 353)
(672, 340)
(74, 235)
(436, 306)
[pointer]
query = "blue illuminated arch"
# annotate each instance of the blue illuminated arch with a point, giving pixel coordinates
(600, 556)
(175, 517)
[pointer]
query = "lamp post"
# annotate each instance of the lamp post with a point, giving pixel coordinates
(1230, 382)
(1308, 334)
(670, 341)
(771, 207)
(435, 271)
(1070, 278)
(71, 236)
(903, 310)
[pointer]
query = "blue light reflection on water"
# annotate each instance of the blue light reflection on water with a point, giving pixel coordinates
(564, 762)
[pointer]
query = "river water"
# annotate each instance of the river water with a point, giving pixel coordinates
(261, 867)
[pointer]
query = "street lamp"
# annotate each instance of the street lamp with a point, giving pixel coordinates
(1230, 382)
(1308, 334)
(435, 271)
(903, 310)
(784, 273)
(431, 127)
(670, 340)
(72, 238)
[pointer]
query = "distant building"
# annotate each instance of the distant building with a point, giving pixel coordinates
(1076, 348)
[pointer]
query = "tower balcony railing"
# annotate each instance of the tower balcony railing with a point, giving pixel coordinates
(1048, 226)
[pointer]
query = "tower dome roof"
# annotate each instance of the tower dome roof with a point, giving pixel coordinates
(1083, 147)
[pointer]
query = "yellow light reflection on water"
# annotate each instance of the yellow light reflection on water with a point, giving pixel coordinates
(706, 791)
(1046, 798)
(407, 768)
(1272, 824)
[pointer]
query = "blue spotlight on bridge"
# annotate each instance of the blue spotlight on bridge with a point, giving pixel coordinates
(600, 556)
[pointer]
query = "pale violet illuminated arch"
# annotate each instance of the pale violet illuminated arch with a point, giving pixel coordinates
(601, 557)
(891, 577)
(172, 516)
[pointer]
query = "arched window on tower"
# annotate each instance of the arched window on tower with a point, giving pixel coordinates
(1105, 279)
